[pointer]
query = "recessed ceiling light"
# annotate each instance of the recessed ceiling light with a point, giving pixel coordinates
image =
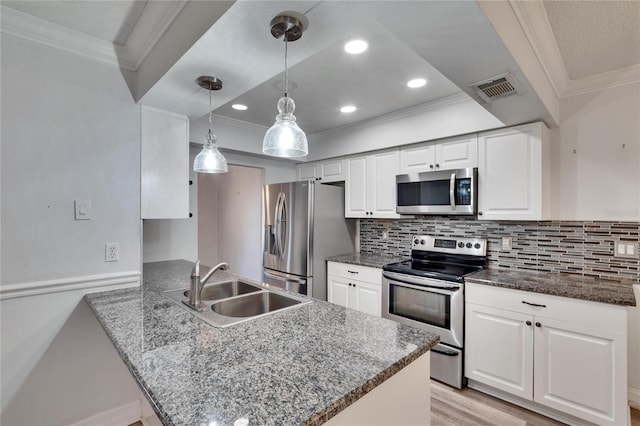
(348, 108)
(416, 82)
(356, 46)
(239, 107)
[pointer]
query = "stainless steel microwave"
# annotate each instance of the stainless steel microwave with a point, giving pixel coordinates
(443, 192)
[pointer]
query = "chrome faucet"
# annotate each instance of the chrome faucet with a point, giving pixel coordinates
(197, 284)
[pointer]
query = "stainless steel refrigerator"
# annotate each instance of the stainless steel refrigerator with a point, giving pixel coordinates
(303, 224)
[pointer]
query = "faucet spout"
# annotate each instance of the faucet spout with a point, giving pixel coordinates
(197, 284)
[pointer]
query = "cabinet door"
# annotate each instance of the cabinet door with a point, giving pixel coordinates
(356, 188)
(338, 290)
(332, 171)
(307, 172)
(382, 179)
(499, 349)
(164, 155)
(580, 370)
(417, 159)
(367, 298)
(457, 153)
(511, 173)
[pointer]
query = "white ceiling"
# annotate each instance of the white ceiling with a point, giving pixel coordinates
(595, 36)
(430, 39)
(112, 21)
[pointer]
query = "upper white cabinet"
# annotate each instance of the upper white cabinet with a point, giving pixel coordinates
(326, 171)
(370, 188)
(565, 354)
(354, 286)
(453, 153)
(513, 173)
(164, 164)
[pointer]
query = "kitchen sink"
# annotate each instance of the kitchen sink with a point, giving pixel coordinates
(235, 301)
(253, 304)
(223, 290)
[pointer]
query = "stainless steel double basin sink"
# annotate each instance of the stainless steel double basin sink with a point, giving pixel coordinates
(234, 301)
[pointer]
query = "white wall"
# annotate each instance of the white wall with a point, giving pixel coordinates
(450, 116)
(70, 129)
(596, 156)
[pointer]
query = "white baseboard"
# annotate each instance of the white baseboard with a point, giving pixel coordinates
(112, 281)
(119, 416)
(634, 398)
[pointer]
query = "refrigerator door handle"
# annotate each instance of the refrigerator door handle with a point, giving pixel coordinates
(281, 209)
(281, 278)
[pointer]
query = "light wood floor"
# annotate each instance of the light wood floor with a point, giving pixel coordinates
(468, 407)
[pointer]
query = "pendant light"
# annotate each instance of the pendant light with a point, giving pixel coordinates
(210, 160)
(285, 138)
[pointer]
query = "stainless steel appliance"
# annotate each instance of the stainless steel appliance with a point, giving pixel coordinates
(450, 192)
(303, 224)
(428, 292)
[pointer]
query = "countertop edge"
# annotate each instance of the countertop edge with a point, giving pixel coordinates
(355, 394)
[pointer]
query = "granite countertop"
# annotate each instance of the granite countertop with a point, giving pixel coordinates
(565, 285)
(301, 366)
(373, 260)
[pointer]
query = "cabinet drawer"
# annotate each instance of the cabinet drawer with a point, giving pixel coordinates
(355, 272)
(598, 315)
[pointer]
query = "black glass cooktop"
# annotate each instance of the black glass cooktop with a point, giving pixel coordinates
(438, 270)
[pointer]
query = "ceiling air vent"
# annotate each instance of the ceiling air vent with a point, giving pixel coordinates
(497, 87)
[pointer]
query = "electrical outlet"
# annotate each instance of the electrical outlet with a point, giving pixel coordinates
(385, 235)
(111, 252)
(506, 243)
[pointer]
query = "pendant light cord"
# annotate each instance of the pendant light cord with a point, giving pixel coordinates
(286, 69)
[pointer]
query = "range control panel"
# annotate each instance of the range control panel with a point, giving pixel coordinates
(457, 245)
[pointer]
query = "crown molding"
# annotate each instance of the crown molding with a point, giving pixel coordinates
(154, 21)
(220, 119)
(397, 115)
(534, 21)
(603, 81)
(31, 28)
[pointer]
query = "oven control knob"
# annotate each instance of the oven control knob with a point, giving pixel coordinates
(461, 244)
(416, 241)
(476, 245)
(469, 245)
(423, 242)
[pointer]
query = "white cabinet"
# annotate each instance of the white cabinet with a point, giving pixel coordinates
(565, 354)
(454, 153)
(326, 171)
(356, 287)
(370, 188)
(513, 173)
(164, 156)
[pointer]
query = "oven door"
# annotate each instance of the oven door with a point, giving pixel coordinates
(430, 304)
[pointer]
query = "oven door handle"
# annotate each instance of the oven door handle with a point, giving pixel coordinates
(445, 352)
(420, 284)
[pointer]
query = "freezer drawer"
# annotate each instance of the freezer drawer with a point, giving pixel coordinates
(293, 283)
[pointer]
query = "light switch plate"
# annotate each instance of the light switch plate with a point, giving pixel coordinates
(82, 209)
(507, 243)
(628, 249)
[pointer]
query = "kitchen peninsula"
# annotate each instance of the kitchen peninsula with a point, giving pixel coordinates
(307, 365)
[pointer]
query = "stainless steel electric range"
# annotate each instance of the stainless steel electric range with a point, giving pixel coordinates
(428, 292)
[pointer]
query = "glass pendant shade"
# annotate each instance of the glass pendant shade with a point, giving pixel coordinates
(210, 160)
(285, 138)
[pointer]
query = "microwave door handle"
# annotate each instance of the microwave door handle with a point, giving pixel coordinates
(452, 187)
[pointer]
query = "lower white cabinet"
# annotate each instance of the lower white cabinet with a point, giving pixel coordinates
(565, 354)
(356, 287)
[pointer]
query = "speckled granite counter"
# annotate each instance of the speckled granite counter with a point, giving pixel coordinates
(565, 285)
(367, 259)
(301, 366)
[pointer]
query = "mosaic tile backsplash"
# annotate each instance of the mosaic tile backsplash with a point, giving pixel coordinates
(583, 248)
